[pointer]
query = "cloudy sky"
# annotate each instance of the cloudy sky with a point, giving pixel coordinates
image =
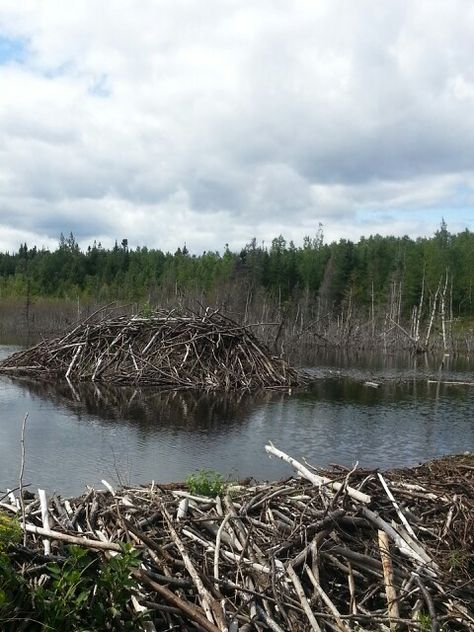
(214, 121)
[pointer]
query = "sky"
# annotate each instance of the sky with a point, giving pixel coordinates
(171, 122)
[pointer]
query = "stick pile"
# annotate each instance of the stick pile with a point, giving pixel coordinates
(165, 349)
(333, 551)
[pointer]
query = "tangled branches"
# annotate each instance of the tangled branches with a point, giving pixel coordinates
(166, 349)
(338, 550)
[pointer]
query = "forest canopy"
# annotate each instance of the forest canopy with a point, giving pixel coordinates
(366, 272)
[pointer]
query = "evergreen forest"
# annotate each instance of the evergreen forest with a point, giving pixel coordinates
(380, 283)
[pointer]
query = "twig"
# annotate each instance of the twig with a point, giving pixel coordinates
(22, 471)
(388, 577)
(218, 545)
(302, 597)
(325, 597)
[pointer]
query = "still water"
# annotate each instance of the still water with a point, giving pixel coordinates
(80, 435)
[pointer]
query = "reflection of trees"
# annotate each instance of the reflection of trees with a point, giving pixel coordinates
(150, 409)
(353, 391)
(391, 392)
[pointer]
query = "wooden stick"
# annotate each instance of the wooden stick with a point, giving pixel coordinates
(397, 508)
(73, 539)
(430, 605)
(390, 591)
(403, 546)
(210, 606)
(74, 358)
(271, 623)
(352, 591)
(12, 508)
(324, 596)
(449, 517)
(218, 546)
(451, 383)
(315, 478)
(22, 471)
(302, 597)
(45, 519)
(192, 612)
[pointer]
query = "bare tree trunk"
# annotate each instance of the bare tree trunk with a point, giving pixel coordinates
(420, 309)
(443, 311)
(433, 312)
(248, 298)
(372, 309)
(399, 306)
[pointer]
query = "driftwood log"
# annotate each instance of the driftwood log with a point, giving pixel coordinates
(165, 349)
(301, 554)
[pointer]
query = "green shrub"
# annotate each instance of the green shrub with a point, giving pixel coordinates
(205, 483)
(85, 594)
(10, 531)
(14, 594)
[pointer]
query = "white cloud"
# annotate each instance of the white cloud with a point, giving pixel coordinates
(173, 121)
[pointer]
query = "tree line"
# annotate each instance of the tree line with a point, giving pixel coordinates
(371, 277)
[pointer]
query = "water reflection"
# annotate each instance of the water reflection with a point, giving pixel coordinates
(78, 434)
(389, 392)
(388, 364)
(151, 410)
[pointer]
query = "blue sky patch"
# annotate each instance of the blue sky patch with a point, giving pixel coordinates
(101, 87)
(11, 50)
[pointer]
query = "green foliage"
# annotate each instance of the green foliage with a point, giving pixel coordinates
(15, 598)
(424, 620)
(205, 483)
(86, 595)
(457, 559)
(322, 275)
(10, 531)
(146, 310)
(14, 594)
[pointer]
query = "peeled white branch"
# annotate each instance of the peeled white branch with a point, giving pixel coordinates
(315, 478)
(45, 519)
(73, 539)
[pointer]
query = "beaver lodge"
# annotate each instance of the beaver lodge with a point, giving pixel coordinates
(331, 551)
(166, 349)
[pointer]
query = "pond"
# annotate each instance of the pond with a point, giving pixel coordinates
(78, 435)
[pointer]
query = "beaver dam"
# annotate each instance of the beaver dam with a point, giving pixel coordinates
(333, 550)
(166, 349)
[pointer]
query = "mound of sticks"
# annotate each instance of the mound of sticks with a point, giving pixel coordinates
(334, 550)
(164, 349)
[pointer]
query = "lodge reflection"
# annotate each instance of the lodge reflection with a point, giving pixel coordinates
(151, 410)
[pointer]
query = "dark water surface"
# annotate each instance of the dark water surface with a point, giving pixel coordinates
(79, 435)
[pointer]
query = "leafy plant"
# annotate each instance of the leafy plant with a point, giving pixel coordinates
(85, 594)
(424, 620)
(14, 594)
(205, 483)
(10, 531)
(114, 587)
